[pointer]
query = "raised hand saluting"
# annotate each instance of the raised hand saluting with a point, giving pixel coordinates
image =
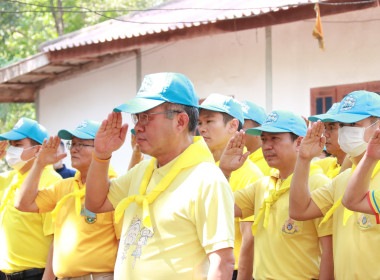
(373, 149)
(313, 143)
(233, 156)
(110, 136)
(3, 148)
(48, 153)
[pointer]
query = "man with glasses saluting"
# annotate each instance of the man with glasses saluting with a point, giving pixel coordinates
(178, 207)
(85, 243)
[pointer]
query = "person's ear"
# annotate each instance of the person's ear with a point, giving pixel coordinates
(233, 125)
(182, 121)
(298, 142)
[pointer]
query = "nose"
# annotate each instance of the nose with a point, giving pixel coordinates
(201, 128)
(267, 145)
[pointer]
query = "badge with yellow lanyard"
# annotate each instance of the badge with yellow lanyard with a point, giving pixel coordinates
(78, 193)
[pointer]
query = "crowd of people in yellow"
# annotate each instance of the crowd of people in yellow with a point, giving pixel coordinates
(228, 192)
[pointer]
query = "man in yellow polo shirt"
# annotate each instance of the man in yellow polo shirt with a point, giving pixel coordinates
(353, 232)
(358, 196)
(254, 116)
(178, 207)
(284, 248)
(331, 165)
(220, 117)
(25, 238)
(85, 243)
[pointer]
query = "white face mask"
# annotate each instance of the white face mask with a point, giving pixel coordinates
(351, 140)
(13, 157)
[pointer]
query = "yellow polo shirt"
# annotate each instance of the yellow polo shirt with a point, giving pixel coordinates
(193, 217)
(287, 249)
(329, 165)
(240, 178)
(357, 244)
(257, 158)
(24, 237)
(82, 244)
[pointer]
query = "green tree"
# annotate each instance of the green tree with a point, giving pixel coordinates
(24, 25)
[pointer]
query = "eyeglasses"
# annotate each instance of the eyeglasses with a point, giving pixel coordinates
(78, 146)
(143, 118)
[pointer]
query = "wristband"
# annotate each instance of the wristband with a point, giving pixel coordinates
(100, 160)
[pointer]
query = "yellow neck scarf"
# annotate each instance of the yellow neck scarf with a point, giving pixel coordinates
(347, 213)
(275, 194)
(78, 194)
(196, 153)
(334, 169)
(12, 191)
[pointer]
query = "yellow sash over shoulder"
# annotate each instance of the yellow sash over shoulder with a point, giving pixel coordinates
(196, 153)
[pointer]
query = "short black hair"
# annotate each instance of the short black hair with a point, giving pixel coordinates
(192, 113)
(228, 117)
(374, 119)
(293, 136)
(34, 142)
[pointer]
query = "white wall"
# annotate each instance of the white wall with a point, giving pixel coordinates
(92, 95)
(232, 63)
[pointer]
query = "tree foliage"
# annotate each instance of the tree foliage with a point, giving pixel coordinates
(25, 24)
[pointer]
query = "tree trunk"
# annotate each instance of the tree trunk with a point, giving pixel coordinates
(58, 16)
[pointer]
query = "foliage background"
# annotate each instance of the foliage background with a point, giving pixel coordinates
(24, 25)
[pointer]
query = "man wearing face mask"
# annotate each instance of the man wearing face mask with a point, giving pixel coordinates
(25, 238)
(353, 232)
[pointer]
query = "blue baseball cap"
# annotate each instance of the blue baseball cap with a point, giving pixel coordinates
(357, 106)
(85, 130)
(159, 88)
(26, 128)
(281, 121)
(253, 112)
(328, 115)
(224, 104)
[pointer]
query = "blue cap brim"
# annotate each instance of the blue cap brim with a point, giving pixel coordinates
(347, 118)
(271, 129)
(138, 105)
(321, 117)
(12, 135)
(68, 134)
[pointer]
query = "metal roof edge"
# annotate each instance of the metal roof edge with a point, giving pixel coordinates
(24, 66)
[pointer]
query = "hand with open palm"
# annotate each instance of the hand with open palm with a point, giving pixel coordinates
(373, 149)
(313, 143)
(48, 153)
(110, 136)
(3, 148)
(233, 156)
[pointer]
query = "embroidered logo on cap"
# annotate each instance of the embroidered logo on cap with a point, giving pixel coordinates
(82, 125)
(147, 84)
(271, 118)
(19, 124)
(244, 107)
(348, 103)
